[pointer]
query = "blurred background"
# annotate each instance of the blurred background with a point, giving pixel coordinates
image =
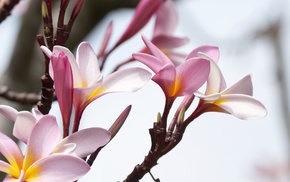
(253, 39)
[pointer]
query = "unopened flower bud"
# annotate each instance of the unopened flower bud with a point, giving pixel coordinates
(119, 122)
(158, 118)
(180, 118)
(44, 10)
(77, 8)
(64, 4)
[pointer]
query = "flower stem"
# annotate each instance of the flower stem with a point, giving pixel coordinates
(158, 139)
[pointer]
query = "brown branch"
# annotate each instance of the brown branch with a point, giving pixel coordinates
(158, 139)
(47, 90)
(6, 7)
(20, 97)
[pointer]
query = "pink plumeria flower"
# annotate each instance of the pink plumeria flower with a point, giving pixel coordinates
(22, 119)
(27, 120)
(183, 80)
(88, 82)
(163, 38)
(237, 99)
(144, 11)
(47, 157)
(165, 25)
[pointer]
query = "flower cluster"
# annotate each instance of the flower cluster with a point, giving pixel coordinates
(47, 155)
(52, 155)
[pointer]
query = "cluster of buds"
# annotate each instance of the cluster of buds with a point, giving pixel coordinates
(60, 38)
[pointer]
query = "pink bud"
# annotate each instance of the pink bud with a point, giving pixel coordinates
(119, 121)
(143, 13)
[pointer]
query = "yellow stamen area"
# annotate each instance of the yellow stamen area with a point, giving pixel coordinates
(33, 173)
(96, 92)
(13, 171)
(218, 102)
(165, 52)
(29, 159)
(84, 84)
(177, 87)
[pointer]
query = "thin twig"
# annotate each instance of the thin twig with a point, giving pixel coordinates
(20, 97)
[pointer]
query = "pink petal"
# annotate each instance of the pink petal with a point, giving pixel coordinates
(12, 179)
(19, 179)
(67, 148)
(216, 82)
(143, 13)
(46, 51)
(176, 57)
(166, 19)
(212, 97)
(81, 95)
(7, 168)
(242, 106)
(57, 50)
(57, 168)
(152, 62)
(165, 78)
(24, 120)
(126, 80)
(210, 51)
(8, 112)
(87, 140)
(44, 138)
(243, 86)
(156, 52)
(74, 66)
(37, 113)
(63, 86)
(10, 150)
(88, 64)
(191, 75)
(167, 42)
